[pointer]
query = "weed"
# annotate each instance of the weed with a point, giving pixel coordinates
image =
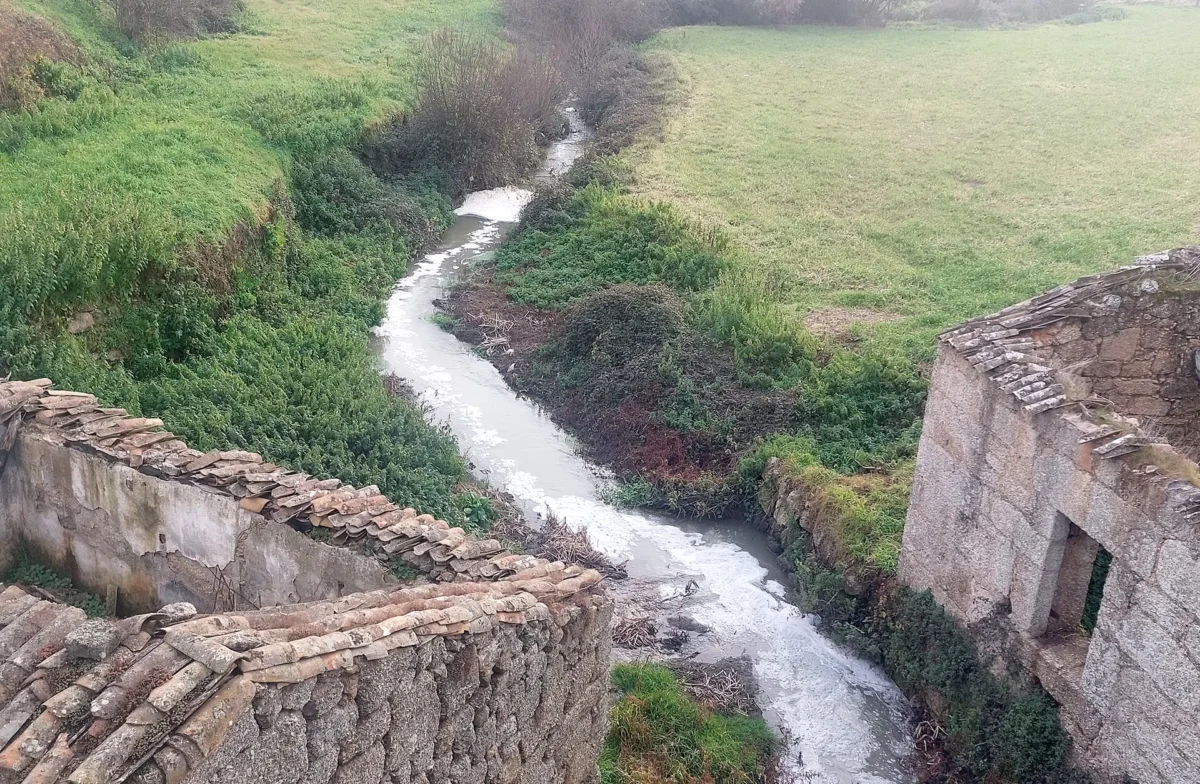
(631, 494)
(658, 734)
(402, 571)
(476, 512)
(28, 572)
(444, 321)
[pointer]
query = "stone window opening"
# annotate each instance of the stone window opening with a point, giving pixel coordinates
(1095, 594)
(1080, 584)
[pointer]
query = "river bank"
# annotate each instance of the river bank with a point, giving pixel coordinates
(845, 721)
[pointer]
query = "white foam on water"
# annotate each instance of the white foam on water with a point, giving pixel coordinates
(502, 205)
(844, 717)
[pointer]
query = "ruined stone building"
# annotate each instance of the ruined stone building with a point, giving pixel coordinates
(251, 652)
(1055, 510)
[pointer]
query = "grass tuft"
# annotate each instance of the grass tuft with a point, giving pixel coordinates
(659, 735)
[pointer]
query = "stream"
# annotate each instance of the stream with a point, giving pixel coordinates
(844, 720)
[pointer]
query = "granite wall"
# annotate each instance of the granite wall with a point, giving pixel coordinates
(521, 704)
(1008, 511)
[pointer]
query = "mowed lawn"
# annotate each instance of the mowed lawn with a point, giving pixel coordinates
(921, 176)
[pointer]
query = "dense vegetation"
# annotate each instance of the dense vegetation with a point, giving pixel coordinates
(678, 391)
(986, 725)
(659, 735)
(201, 204)
(811, 310)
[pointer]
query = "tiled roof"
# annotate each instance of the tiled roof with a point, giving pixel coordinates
(1003, 346)
(278, 494)
(91, 702)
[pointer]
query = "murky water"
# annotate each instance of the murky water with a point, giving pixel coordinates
(845, 719)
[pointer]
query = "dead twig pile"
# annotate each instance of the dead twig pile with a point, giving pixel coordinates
(494, 330)
(718, 687)
(560, 543)
(635, 633)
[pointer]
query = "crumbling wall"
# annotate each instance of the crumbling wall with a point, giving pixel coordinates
(159, 541)
(1137, 351)
(524, 704)
(996, 492)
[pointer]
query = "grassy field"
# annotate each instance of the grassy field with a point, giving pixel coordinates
(202, 200)
(198, 132)
(910, 178)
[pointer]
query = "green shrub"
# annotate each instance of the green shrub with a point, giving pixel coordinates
(1093, 15)
(741, 312)
(659, 735)
(600, 238)
(863, 409)
(993, 726)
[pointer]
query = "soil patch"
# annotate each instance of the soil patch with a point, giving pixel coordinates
(840, 323)
(24, 39)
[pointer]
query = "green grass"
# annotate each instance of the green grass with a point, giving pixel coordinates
(201, 197)
(928, 175)
(199, 137)
(659, 736)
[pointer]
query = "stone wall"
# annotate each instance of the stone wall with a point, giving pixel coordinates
(159, 542)
(524, 704)
(1021, 480)
(1137, 352)
(114, 500)
(490, 668)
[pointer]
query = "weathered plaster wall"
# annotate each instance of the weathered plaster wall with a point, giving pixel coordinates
(160, 541)
(525, 704)
(995, 492)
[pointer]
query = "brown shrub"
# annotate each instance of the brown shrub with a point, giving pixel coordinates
(149, 20)
(26, 40)
(479, 112)
(579, 33)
